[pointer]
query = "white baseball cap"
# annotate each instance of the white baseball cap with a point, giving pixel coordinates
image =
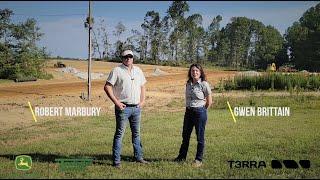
(127, 52)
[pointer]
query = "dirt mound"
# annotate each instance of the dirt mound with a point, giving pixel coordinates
(248, 73)
(82, 75)
(158, 72)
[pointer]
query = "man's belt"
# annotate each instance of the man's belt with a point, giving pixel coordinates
(130, 105)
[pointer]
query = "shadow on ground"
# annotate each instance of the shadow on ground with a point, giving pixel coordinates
(99, 159)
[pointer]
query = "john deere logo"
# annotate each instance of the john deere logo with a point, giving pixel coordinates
(23, 162)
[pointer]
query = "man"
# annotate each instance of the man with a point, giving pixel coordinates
(125, 86)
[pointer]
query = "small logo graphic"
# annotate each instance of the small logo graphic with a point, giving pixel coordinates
(247, 164)
(290, 164)
(73, 164)
(23, 162)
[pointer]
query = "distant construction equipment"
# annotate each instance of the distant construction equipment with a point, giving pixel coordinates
(59, 65)
(271, 67)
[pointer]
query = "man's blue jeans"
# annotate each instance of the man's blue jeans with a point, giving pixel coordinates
(122, 116)
(194, 117)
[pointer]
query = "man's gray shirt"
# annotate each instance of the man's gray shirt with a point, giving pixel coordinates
(126, 85)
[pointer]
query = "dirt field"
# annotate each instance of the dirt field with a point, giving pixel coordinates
(164, 91)
(65, 90)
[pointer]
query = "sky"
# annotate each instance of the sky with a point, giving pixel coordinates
(62, 22)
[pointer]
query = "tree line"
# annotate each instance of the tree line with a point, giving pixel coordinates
(242, 43)
(175, 38)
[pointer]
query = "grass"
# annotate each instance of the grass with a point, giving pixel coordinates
(273, 81)
(251, 138)
(5, 81)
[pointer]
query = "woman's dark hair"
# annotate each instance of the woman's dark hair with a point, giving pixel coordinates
(202, 76)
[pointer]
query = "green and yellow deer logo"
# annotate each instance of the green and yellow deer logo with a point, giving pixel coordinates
(23, 162)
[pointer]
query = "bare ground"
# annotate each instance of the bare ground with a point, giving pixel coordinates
(65, 90)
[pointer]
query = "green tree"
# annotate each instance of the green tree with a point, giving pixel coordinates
(164, 48)
(175, 14)
(268, 47)
(19, 55)
(223, 48)
(303, 39)
(213, 34)
(238, 32)
(194, 35)
(152, 25)
(200, 44)
(144, 42)
(250, 44)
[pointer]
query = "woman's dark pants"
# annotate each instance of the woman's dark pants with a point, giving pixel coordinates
(194, 117)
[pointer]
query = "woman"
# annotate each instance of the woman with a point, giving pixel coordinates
(198, 100)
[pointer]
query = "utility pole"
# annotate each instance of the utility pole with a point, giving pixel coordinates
(89, 20)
